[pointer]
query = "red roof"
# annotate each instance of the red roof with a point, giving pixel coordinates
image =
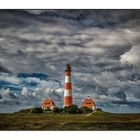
(88, 102)
(47, 103)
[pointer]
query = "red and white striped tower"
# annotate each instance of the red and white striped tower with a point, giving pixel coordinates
(67, 87)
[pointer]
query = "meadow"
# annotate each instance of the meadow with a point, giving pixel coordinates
(58, 121)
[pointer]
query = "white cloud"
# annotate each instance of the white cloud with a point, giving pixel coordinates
(107, 98)
(132, 57)
(32, 79)
(36, 12)
(108, 80)
(7, 96)
(25, 91)
(60, 90)
(9, 78)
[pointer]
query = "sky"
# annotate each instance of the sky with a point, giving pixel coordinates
(102, 46)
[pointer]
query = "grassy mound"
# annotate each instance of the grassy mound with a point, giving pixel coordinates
(25, 120)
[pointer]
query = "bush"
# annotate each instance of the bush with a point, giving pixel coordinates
(37, 110)
(57, 110)
(25, 110)
(98, 109)
(85, 110)
(48, 111)
(71, 109)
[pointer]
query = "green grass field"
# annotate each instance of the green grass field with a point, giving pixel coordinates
(95, 121)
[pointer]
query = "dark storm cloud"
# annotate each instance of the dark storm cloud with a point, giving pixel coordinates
(3, 69)
(103, 47)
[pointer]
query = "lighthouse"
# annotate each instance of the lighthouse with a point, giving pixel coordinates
(68, 87)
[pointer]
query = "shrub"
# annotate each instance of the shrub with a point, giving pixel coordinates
(71, 109)
(85, 110)
(25, 110)
(98, 109)
(48, 111)
(37, 110)
(57, 110)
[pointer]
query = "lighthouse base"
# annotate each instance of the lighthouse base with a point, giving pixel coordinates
(67, 101)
